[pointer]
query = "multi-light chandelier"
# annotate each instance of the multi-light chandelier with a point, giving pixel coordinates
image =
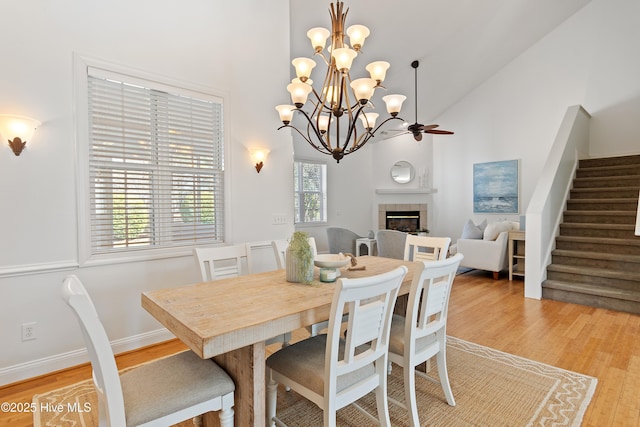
(341, 100)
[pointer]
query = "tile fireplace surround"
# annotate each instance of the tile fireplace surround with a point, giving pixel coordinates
(383, 208)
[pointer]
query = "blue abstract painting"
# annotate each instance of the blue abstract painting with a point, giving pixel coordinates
(495, 187)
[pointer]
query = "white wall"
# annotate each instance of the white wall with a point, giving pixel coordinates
(591, 60)
(197, 43)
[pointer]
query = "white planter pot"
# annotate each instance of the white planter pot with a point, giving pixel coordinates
(292, 269)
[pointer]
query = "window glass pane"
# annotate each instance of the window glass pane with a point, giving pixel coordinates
(310, 192)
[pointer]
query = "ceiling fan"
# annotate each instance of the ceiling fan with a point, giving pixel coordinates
(417, 129)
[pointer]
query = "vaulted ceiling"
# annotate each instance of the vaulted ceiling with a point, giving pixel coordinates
(459, 43)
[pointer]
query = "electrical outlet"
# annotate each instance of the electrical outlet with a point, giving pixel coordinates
(29, 331)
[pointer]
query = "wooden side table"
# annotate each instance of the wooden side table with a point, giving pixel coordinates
(516, 253)
(371, 245)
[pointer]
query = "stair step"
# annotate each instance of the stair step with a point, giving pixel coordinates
(619, 262)
(629, 246)
(610, 161)
(592, 296)
(606, 181)
(600, 217)
(624, 204)
(608, 171)
(604, 193)
(594, 276)
(582, 288)
(616, 231)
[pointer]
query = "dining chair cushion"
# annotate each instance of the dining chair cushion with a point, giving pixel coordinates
(305, 364)
(396, 338)
(184, 371)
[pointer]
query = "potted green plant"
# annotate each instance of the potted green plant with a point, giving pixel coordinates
(299, 258)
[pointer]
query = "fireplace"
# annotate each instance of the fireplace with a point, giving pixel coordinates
(408, 221)
(409, 217)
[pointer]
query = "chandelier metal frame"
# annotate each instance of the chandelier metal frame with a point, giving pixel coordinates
(335, 102)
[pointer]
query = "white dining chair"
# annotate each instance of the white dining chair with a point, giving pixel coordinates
(426, 248)
(162, 392)
(333, 372)
(220, 262)
(422, 334)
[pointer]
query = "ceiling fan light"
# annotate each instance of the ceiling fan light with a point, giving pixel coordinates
(369, 120)
(378, 70)
(394, 103)
(363, 89)
(285, 112)
(303, 68)
(357, 35)
(318, 37)
(299, 93)
(344, 58)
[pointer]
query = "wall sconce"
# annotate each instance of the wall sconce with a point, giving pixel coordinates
(17, 130)
(258, 156)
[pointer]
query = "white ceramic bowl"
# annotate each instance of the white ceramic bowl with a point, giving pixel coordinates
(331, 260)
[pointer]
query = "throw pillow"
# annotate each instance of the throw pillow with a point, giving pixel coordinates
(494, 229)
(473, 231)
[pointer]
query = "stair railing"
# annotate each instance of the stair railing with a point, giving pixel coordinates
(544, 213)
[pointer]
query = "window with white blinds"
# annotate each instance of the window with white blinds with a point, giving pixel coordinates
(155, 166)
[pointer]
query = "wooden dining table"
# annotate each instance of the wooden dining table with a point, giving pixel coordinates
(230, 319)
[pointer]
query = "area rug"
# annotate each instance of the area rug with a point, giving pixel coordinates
(491, 388)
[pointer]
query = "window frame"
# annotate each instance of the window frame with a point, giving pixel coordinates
(81, 70)
(325, 196)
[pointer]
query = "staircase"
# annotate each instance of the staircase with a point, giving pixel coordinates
(597, 257)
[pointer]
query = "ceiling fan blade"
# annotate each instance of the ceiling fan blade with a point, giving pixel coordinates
(439, 132)
(428, 127)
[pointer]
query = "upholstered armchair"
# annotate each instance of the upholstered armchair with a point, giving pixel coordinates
(341, 240)
(391, 243)
(486, 250)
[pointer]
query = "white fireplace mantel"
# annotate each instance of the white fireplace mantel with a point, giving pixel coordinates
(406, 190)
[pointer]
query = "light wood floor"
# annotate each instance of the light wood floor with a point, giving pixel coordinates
(596, 342)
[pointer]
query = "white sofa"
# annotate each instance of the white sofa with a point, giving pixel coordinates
(488, 252)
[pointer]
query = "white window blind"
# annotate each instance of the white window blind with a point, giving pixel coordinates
(155, 166)
(310, 195)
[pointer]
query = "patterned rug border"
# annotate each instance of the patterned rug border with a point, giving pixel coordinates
(589, 382)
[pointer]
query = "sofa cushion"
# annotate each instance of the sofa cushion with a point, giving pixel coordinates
(473, 231)
(492, 230)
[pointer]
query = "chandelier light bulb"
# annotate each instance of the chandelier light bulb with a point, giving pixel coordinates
(303, 68)
(369, 120)
(394, 103)
(318, 37)
(378, 70)
(344, 58)
(357, 34)
(286, 113)
(363, 89)
(299, 93)
(323, 123)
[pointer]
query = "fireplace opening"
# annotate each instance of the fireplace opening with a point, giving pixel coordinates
(407, 221)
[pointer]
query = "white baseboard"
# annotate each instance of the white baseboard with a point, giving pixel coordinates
(57, 362)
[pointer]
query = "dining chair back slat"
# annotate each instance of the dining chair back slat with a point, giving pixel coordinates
(220, 262)
(426, 248)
